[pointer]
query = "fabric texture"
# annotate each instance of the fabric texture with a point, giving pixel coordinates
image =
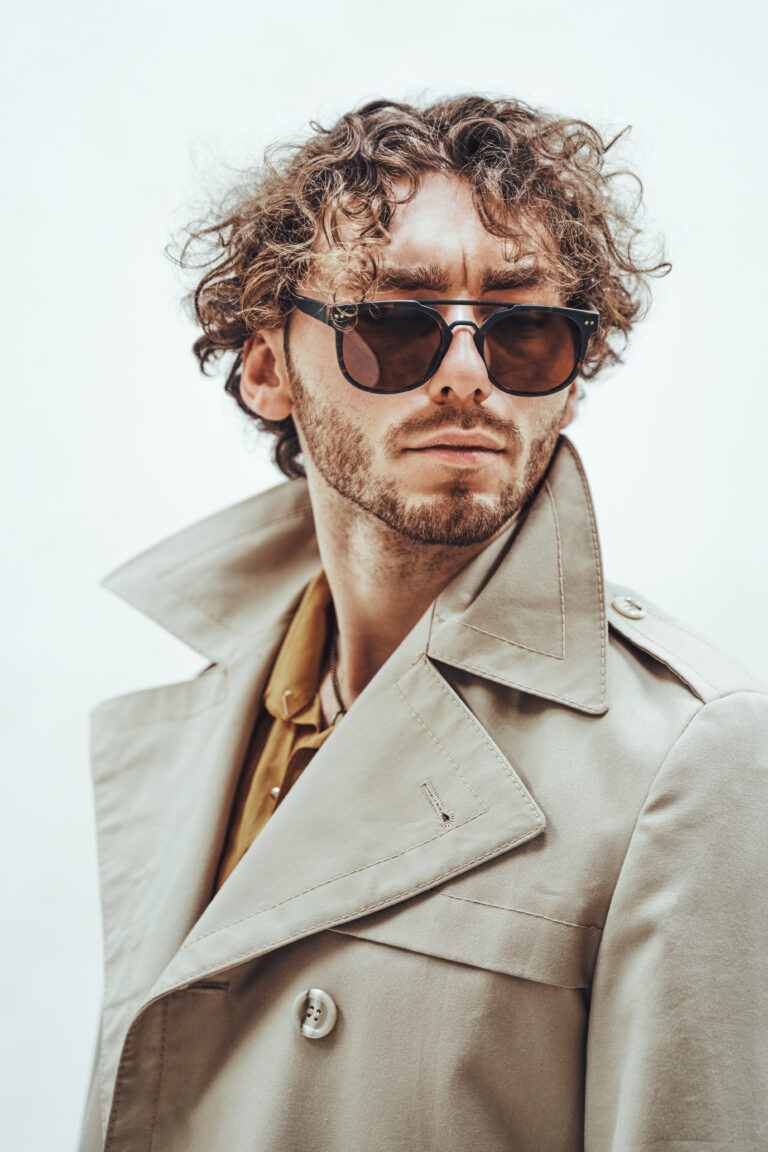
(528, 867)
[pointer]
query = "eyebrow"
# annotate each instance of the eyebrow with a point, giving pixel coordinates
(431, 277)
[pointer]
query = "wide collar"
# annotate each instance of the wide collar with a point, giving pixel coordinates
(537, 622)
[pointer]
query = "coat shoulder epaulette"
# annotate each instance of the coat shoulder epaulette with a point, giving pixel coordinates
(708, 672)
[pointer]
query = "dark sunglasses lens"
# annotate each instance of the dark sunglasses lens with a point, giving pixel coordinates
(532, 352)
(390, 348)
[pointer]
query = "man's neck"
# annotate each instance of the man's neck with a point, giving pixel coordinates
(381, 584)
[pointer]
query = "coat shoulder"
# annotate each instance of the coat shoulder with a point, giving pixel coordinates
(706, 670)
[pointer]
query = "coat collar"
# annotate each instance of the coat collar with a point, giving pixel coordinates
(536, 622)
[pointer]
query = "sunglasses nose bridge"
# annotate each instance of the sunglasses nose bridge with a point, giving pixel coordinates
(447, 342)
(477, 335)
(466, 323)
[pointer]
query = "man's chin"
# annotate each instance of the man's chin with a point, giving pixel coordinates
(458, 518)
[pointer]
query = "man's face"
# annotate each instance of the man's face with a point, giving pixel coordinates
(396, 456)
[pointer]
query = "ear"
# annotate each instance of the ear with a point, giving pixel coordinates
(263, 381)
(571, 403)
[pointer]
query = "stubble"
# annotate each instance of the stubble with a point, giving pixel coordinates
(456, 517)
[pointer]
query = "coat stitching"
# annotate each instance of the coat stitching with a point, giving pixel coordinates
(467, 715)
(222, 690)
(442, 747)
(182, 632)
(324, 884)
(495, 636)
(111, 1121)
(601, 613)
(396, 855)
(598, 563)
(680, 660)
(522, 685)
(319, 927)
(283, 517)
(156, 1102)
(560, 580)
(163, 576)
(522, 912)
(683, 632)
(506, 639)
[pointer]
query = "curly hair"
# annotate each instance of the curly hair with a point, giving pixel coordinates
(326, 204)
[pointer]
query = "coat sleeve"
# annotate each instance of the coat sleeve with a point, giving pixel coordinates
(677, 1046)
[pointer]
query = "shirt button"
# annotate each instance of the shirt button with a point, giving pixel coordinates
(274, 793)
(314, 1013)
(628, 607)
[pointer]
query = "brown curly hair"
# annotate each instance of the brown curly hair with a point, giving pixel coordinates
(326, 203)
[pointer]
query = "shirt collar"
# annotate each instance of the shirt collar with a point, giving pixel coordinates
(295, 678)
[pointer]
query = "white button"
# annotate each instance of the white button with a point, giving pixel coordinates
(628, 607)
(274, 793)
(314, 1013)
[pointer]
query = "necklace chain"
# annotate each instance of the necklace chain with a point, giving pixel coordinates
(333, 657)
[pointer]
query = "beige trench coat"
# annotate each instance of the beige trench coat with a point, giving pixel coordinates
(529, 868)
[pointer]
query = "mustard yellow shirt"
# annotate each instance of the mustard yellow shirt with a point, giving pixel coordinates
(290, 727)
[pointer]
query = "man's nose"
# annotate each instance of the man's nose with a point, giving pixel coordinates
(462, 375)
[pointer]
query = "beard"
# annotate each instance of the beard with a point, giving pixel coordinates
(458, 516)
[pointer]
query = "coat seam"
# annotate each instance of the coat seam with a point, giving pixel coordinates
(495, 636)
(321, 926)
(182, 634)
(674, 656)
(665, 622)
(163, 576)
(220, 698)
(560, 580)
(437, 742)
(506, 639)
(325, 883)
(522, 685)
(522, 912)
(598, 564)
(283, 517)
(156, 1102)
(467, 715)
(111, 1120)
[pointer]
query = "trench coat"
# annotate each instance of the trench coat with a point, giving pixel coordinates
(527, 870)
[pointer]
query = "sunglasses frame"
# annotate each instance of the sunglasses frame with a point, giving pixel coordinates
(341, 316)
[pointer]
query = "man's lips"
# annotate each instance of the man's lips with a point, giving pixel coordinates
(457, 450)
(458, 442)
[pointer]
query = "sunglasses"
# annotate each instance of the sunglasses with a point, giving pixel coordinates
(391, 346)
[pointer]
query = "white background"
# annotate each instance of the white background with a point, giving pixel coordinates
(119, 121)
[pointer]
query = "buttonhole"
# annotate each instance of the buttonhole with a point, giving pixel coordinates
(436, 803)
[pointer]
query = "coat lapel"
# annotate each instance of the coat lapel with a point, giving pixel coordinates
(408, 792)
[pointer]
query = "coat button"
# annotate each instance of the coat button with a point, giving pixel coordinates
(314, 1013)
(628, 607)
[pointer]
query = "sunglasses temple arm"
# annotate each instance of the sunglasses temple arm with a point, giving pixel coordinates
(317, 309)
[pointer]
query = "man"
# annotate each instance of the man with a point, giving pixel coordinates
(451, 845)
